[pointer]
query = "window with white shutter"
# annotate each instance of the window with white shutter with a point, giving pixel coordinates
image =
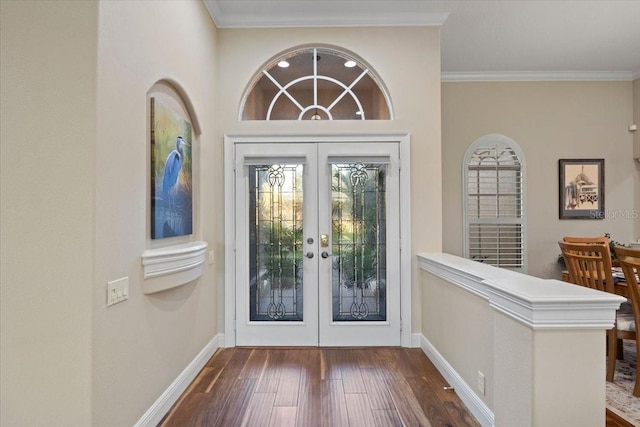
(494, 202)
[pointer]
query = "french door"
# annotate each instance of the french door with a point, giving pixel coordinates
(317, 244)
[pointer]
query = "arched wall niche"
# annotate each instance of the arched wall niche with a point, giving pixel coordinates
(172, 259)
(316, 82)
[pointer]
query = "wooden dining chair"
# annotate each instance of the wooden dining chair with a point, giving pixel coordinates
(599, 239)
(626, 306)
(589, 265)
(630, 263)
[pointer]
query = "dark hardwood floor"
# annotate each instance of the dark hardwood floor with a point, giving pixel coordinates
(614, 420)
(319, 387)
(333, 387)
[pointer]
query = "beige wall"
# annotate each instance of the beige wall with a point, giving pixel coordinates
(75, 77)
(414, 89)
(549, 121)
(48, 132)
(143, 344)
(460, 326)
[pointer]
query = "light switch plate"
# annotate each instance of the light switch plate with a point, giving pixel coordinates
(481, 383)
(117, 291)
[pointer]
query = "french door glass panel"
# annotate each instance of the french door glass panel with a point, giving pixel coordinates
(317, 256)
(358, 231)
(359, 289)
(275, 257)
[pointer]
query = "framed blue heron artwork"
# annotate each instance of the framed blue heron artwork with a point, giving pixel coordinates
(171, 186)
(581, 188)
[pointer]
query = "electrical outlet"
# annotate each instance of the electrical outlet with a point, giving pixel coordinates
(210, 257)
(481, 383)
(117, 291)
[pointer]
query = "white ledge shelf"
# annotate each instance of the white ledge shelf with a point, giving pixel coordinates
(534, 302)
(172, 266)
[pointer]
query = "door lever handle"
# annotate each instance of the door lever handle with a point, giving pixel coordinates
(309, 255)
(325, 254)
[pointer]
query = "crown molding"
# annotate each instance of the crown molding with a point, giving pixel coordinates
(332, 22)
(310, 14)
(540, 76)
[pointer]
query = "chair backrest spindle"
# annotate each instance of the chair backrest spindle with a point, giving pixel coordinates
(589, 264)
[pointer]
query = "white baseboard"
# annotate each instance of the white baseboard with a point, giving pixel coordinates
(416, 340)
(477, 407)
(163, 404)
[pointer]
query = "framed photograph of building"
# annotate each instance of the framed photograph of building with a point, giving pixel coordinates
(581, 188)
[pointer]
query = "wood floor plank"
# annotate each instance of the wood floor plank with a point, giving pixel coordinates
(386, 418)
(216, 399)
(331, 364)
(358, 410)
(214, 402)
(334, 406)
(420, 365)
(406, 403)
(460, 414)
(212, 370)
(288, 386)
(376, 387)
(615, 420)
(283, 416)
(434, 409)
(367, 357)
(255, 364)
(220, 358)
(310, 394)
(259, 409)
(268, 381)
(451, 401)
(350, 371)
(184, 411)
(238, 358)
(395, 365)
(237, 403)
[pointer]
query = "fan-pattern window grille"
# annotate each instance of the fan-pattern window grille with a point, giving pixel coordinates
(494, 202)
(316, 84)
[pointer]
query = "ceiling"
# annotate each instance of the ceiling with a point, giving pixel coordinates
(481, 39)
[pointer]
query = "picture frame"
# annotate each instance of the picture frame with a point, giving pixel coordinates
(581, 188)
(171, 173)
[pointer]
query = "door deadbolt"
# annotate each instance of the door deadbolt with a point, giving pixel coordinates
(324, 240)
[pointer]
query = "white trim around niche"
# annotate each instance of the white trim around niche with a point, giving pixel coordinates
(406, 339)
(172, 266)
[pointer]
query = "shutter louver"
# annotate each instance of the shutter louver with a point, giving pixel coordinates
(494, 206)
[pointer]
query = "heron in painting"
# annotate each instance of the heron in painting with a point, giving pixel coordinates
(172, 166)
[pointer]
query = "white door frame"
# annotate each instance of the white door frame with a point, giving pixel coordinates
(230, 142)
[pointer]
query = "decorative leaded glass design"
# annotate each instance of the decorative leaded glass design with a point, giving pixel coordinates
(316, 84)
(358, 242)
(275, 259)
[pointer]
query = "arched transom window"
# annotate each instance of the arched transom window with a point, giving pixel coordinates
(494, 202)
(316, 84)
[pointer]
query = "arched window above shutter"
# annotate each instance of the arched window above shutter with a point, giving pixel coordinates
(494, 202)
